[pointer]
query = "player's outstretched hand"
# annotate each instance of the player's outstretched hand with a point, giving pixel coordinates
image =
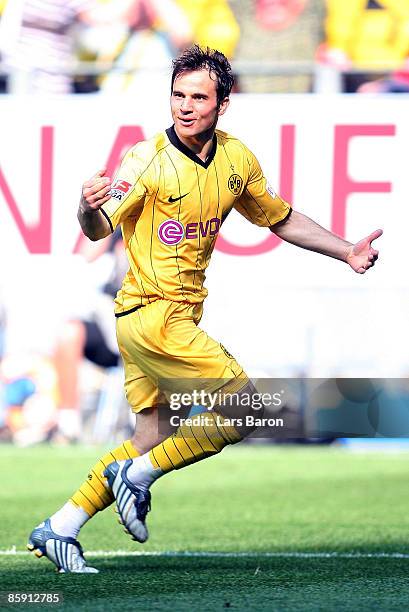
(361, 255)
(95, 191)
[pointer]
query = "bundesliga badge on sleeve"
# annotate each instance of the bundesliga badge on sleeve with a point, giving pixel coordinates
(120, 189)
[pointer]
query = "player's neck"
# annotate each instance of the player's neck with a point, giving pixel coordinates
(200, 144)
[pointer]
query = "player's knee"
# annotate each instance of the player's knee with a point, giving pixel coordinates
(147, 431)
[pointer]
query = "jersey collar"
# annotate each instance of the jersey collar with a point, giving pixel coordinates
(174, 139)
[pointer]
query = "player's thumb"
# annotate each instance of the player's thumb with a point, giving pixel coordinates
(376, 234)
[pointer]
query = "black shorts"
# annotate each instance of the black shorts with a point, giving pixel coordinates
(96, 349)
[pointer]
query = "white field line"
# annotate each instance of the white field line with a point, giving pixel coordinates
(227, 555)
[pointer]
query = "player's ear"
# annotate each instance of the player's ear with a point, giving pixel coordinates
(223, 106)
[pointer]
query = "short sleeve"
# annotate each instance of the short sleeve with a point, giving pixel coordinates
(129, 188)
(258, 202)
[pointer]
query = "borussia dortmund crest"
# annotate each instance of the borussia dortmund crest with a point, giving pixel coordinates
(235, 183)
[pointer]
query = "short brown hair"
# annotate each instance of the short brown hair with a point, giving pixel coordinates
(198, 58)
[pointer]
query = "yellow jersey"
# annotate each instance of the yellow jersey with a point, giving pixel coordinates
(171, 205)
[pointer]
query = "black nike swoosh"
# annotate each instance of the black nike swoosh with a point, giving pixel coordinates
(179, 198)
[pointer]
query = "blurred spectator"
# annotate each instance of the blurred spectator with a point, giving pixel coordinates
(156, 30)
(213, 24)
(37, 44)
(278, 30)
(90, 335)
(44, 378)
(28, 389)
(366, 34)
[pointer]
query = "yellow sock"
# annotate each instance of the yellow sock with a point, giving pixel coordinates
(209, 434)
(93, 495)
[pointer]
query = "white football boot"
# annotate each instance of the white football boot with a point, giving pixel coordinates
(133, 504)
(65, 553)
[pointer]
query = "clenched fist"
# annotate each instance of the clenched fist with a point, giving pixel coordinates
(96, 191)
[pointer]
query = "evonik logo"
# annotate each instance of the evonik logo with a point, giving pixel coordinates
(171, 232)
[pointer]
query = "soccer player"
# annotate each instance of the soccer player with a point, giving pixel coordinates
(171, 196)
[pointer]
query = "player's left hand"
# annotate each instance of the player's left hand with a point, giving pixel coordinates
(361, 255)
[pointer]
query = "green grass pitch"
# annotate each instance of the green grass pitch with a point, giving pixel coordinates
(249, 502)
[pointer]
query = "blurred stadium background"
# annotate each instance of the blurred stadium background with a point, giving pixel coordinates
(316, 98)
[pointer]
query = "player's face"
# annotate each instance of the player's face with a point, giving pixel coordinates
(194, 105)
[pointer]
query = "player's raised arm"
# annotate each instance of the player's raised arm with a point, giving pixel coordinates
(305, 233)
(95, 192)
